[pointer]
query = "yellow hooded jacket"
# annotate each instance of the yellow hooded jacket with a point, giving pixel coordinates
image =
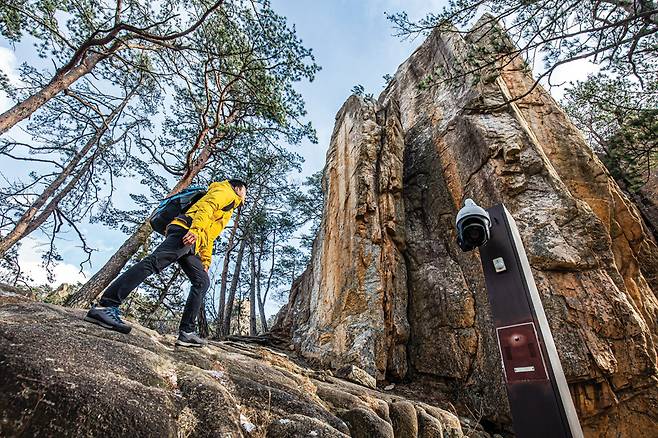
(209, 215)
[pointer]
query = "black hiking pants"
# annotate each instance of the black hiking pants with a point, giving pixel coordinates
(169, 251)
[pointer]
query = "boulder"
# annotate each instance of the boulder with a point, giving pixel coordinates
(357, 375)
(65, 377)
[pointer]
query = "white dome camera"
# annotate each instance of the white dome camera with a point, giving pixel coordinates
(473, 225)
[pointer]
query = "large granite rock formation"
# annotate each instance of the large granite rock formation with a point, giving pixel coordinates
(389, 291)
(62, 377)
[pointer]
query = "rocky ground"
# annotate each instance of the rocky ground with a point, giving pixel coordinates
(61, 376)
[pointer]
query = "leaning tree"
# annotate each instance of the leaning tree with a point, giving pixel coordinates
(99, 36)
(84, 134)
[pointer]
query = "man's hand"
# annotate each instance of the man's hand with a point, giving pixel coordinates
(189, 238)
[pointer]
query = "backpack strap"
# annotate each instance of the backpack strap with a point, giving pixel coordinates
(185, 218)
(229, 207)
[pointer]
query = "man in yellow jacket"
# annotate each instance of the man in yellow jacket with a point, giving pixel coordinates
(189, 241)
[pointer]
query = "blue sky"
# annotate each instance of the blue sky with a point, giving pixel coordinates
(351, 40)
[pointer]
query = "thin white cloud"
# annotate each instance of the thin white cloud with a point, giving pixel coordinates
(8, 65)
(29, 258)
(567, 74)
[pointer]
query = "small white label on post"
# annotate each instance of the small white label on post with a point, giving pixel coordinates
(499, 265)
(524, 369)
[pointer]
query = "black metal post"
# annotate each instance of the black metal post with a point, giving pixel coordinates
(538, 393)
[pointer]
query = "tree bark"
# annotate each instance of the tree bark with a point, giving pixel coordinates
(222, 288)
(252, 294)
(259, 299)
(63, 78)
(234, 286)
(26, 224)
(238, 320)
(202, 321)
(261, 310)
(269, 280)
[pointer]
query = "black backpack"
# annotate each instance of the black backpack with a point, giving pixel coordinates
(174, 205)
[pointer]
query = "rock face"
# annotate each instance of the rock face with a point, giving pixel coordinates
(62, 377)
(389, 291)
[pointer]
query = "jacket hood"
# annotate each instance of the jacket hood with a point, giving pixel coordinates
(226, 185)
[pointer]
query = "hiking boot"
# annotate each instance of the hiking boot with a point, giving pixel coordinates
(189, 340)
(109, 318)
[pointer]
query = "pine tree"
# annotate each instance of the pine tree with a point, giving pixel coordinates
(106, 34)
(79, 129)
(232, 102)
(618, 117)
(621, 36)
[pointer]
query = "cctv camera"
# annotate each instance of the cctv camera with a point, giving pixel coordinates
(473, 224)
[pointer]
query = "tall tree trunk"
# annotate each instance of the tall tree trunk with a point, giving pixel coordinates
(234, 286)
(111, 269)
(260, 301)
(224, 278)
(269, 278)
(202, 321)
(25, 224)
(252, 294)
(164, 292)
(63, 78)
(261, 309)
(238, 322)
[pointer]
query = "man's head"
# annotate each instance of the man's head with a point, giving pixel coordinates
(240, 188)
